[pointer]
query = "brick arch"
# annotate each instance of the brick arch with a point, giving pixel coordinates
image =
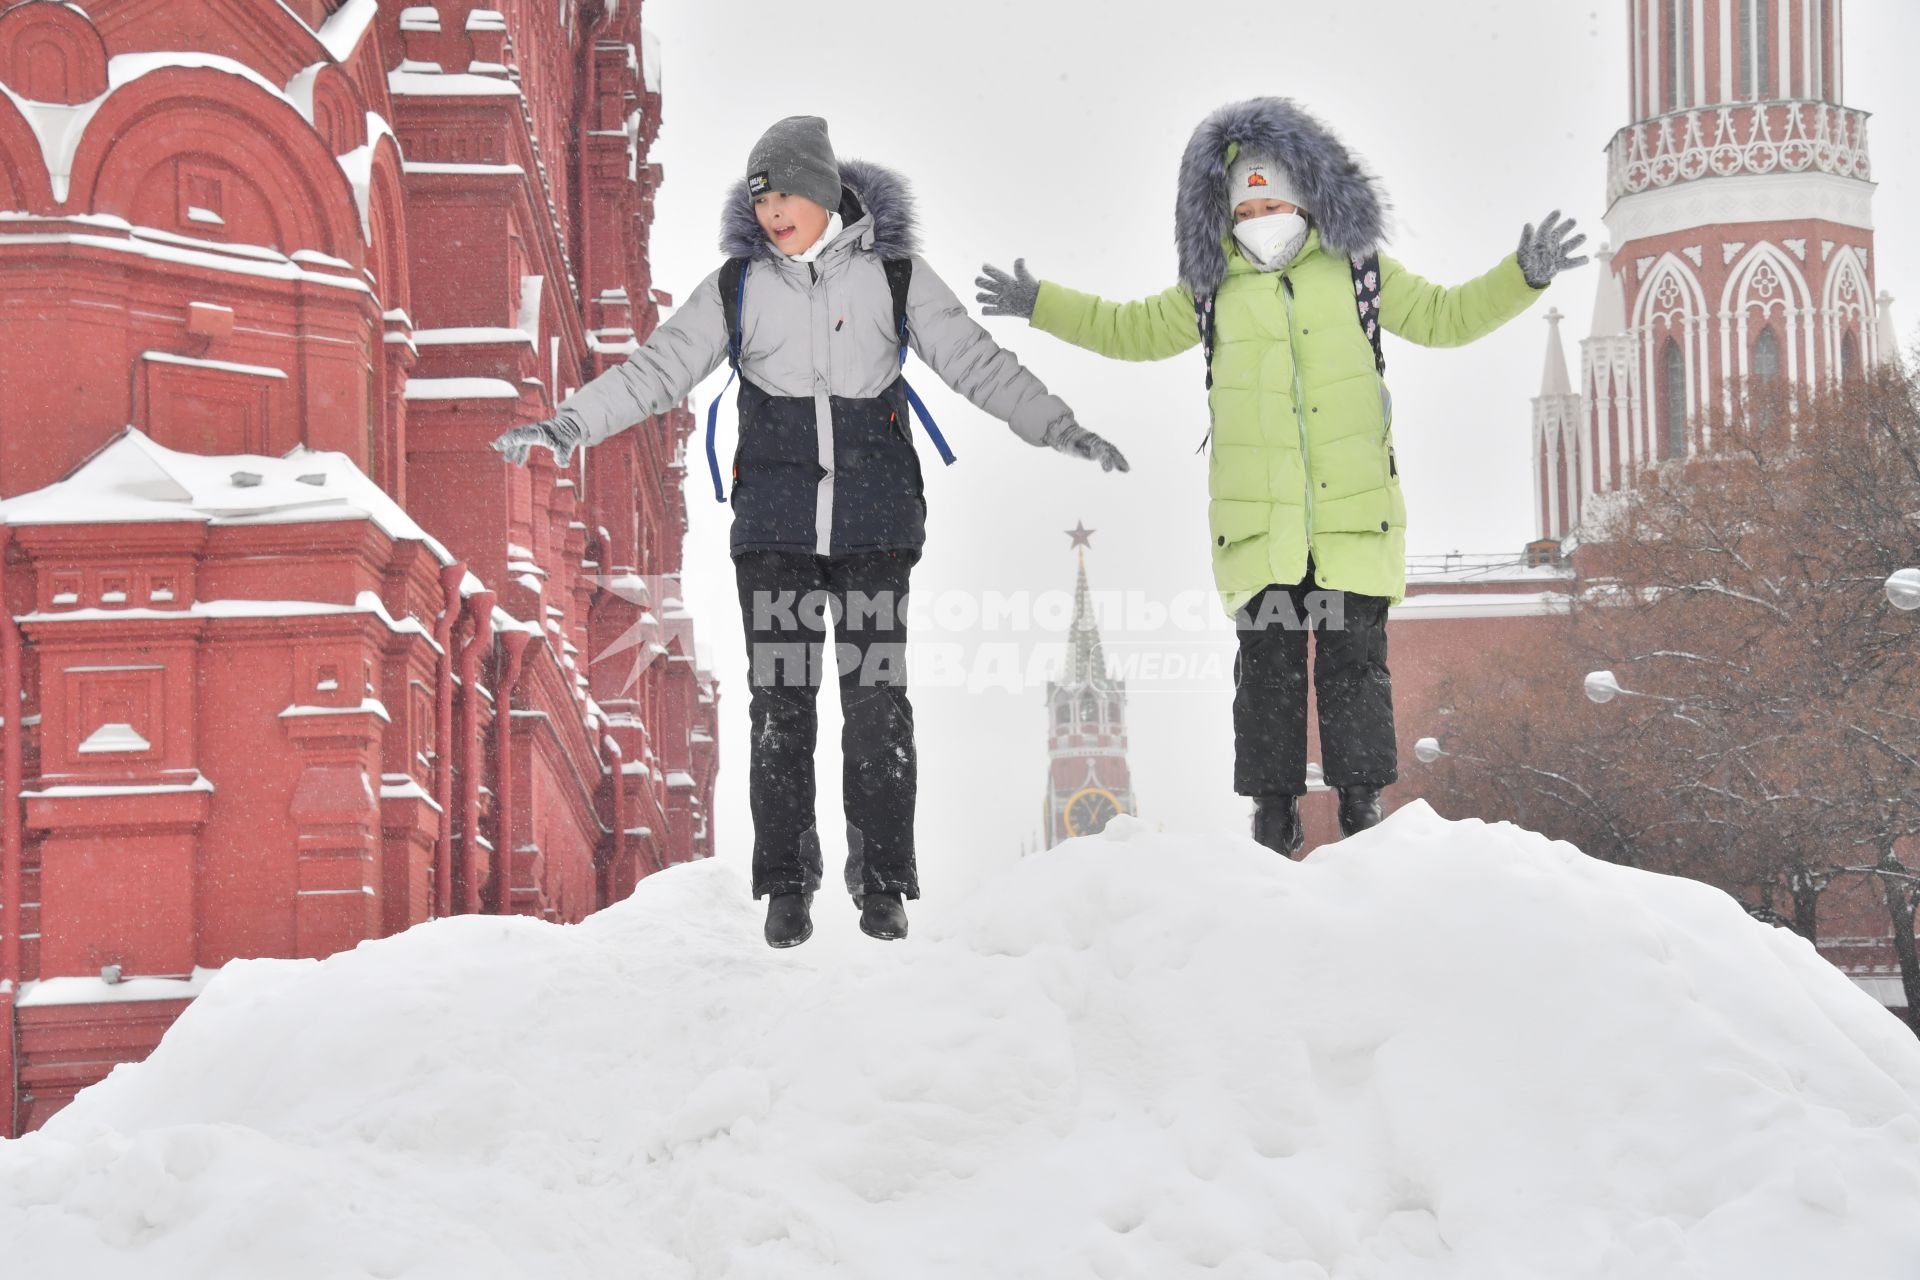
(50, 52)
(387, 254)
(1847, 307)
(1671, 304)
(326, 96)
(177, 138)
(387, 261)
(23, 166)
(1746, 292)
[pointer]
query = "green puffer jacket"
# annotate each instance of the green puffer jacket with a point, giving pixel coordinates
(1307, 464)
(1302, 455)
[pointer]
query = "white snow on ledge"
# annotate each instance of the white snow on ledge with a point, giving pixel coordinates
(461, 389)
(371, 706)
(136, 479)
(226, 366)
(1436, 1051)
(449, 85)
(114, 736)
(342, 32)
(467, 169)
(200, 783)
(94, 990)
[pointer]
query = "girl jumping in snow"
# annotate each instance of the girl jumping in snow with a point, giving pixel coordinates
(1283, 283)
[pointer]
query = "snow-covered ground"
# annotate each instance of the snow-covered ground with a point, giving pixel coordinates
(1437, 1050)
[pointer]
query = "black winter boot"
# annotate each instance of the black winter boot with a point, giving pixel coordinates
(882, 915)
(788, 923)
(1276, 824)
(1359, 808)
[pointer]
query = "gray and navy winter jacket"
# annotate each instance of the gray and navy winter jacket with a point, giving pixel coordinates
(826, 462)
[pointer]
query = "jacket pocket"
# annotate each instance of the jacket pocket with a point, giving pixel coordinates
(1242, 542)
(1369, 511)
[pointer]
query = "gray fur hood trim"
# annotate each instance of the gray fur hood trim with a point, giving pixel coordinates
(1345, 201)
(888, 225)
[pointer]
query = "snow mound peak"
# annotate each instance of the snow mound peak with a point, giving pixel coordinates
(1439, 1049)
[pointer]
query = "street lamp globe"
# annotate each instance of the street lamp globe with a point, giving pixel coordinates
(1903, 589)
(1427, 750)
(1601, 686)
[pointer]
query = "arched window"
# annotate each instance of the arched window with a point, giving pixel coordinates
(1089, 710)
(1678, 49)
(1063, 714)
(1849, 357)
(1766, 356)
(1766, 376)
(1673, 401)
(1113, 712)
(1756, 49)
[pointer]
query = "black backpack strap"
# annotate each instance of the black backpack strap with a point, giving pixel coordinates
(900, 280)
(1366, 299)
(733, 293)
(1203, 316)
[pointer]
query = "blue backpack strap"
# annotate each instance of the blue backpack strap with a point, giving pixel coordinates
(900, 280)
(1366, 299)
(733, 297)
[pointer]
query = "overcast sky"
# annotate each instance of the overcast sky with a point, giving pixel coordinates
(1053, 131)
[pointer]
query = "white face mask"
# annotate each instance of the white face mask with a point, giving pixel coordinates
(1270, 243)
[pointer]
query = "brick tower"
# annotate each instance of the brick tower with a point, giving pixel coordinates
(1740, 210)
(1088, 781)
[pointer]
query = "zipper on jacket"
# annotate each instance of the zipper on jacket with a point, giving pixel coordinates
(1299, 409)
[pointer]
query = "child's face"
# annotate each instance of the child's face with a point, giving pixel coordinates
(1247, 209)
(793, 223)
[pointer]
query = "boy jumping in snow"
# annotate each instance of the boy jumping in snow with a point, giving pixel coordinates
(823, 293)
(1283, 283)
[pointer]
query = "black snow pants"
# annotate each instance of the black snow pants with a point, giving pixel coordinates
(1350, 679)
(788, 602)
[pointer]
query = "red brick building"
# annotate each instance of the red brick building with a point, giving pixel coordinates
(291, 659)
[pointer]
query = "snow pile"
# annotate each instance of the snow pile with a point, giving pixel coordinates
(1437, 1050)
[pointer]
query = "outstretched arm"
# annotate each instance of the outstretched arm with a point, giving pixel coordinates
(669, 364)
(1151, 329)
(657, 376)
(1436, 316)
(968, 359)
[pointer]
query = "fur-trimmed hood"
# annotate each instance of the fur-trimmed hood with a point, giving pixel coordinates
(1344, 201)
(880, 214)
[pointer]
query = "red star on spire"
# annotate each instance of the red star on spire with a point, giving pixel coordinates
(1080, 534)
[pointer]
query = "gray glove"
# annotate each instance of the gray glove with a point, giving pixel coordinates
(559, 433)
(1543, 255)
(1008, 295)
(1070, 438)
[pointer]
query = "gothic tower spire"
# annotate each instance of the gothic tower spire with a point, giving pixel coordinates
(1088, 781)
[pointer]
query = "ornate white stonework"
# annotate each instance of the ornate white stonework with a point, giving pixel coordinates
(1728, 202)
(1748, 138)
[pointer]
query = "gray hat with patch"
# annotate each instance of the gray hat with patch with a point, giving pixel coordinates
(796, 156)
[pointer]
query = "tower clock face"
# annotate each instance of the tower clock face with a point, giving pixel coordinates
(1089, 810)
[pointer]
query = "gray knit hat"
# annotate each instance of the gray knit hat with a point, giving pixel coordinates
(796, 156)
